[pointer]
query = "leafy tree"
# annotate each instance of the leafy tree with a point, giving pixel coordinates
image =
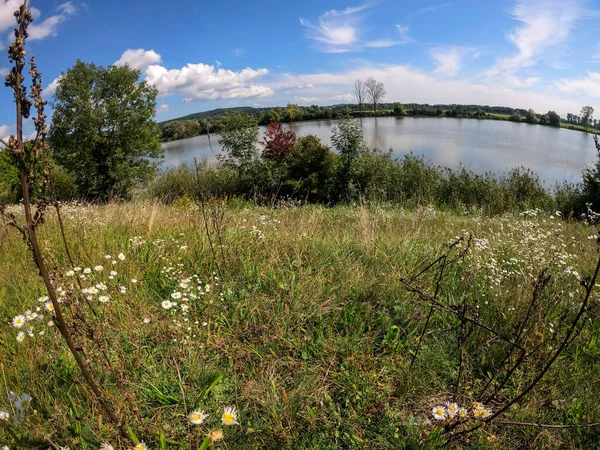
(586, 116)
(375, 91)
(530, 117)
(347, 138)
(278, 143)
(515, 117)
(399, 109)
(553, 119)
(591, 181)
(103, 129)
(311, 169)
(239, 135)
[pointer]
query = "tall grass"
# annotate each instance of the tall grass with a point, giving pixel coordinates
(309, 332)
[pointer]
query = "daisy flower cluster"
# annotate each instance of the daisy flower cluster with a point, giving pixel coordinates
(258, 230)
(98, 284)
(190, 292)
(450, 411)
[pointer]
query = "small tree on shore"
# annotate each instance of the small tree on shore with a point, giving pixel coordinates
(360, 92)
(239, 135)
(278, 143)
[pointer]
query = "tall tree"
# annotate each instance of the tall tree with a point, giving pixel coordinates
(531, 117)
(360, 92)
(553, 119)
(103, 129)
(586, 116)
(347, 138)
(239, 135)
(375, 91)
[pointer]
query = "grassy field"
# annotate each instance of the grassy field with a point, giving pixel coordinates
(300, 321)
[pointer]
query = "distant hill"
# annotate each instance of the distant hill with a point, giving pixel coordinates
(216, 112)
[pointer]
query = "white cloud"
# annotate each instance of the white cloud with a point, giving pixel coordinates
(239, 52)
(310, 100)
(404, 37)
(205, 82)
(187, 100)
(5, 132)
(586, 86)
(450, 60)
(545, 23)
(51, 88)
(428, 9)
(138, 59)
(341, 31)
(408, 85)
(342, 98)
(49, 26)
(163, 108)
(7, 11)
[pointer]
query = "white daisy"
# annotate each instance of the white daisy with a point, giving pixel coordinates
(77, 269)
(93, 290)
(176, 295)
(140, 446)
(103, 299)
(123, 289)
(70, 273)
(107, 257)
(229, 416)
(484, 413)
(18, 321)
(43, 299)
(113, 273)
(4, 415)
(50, 306)
(451, 409)
(439, 413)
(22, 402)
(197, 417)
(87, 271)
(106, 446)
(121, 256)
(167, 304)
(98, 268)
(462, 413)
(20, 336)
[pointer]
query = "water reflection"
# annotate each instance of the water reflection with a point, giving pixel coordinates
(483, 145)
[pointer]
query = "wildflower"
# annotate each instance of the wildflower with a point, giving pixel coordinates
(103, 299)
(32, 316)
(106, 446)
(4, 415)
(121, 256)
(43, 299)
(123, 289)
(197, 417)
(12, 396)
(22, 402)
(176, 295)
(98, 268)
(146, 320)
(5, 447)
(87, 271)
(167, 304)
(20, 336)
(93, 290)
(451, 408)
(229, 416)
(140, 446)
(133, 280)
(215, 435)
(50, 323)
(50, 306)
(462, 413)
(77, 269)
(485, 413)
(113, 273)
(18, 321)
(439, 413)
(70, 273)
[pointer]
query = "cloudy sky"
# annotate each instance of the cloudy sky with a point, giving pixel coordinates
(540, 54)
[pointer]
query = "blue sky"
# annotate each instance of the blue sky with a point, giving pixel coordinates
(540, 54)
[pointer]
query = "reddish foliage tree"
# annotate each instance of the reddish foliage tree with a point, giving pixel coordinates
(278, 143)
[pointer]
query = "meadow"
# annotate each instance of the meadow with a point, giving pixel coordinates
(297, 317)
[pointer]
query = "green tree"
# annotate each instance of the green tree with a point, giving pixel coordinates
(239, 135)
(586, 116)
(347, 138)
(515, 117)
(103, 129)
(531, 117)
(553, 119)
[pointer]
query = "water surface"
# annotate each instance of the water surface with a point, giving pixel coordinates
(556, 154)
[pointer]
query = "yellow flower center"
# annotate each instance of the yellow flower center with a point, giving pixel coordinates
(476, 413)
(228, 418)
(440, 412)
(451, 408)
(196, 416)
(484, 413)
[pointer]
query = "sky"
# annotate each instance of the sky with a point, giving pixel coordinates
(201, 55)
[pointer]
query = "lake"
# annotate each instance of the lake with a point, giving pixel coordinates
(556, 154)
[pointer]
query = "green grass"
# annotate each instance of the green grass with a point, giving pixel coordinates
(311, 338)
